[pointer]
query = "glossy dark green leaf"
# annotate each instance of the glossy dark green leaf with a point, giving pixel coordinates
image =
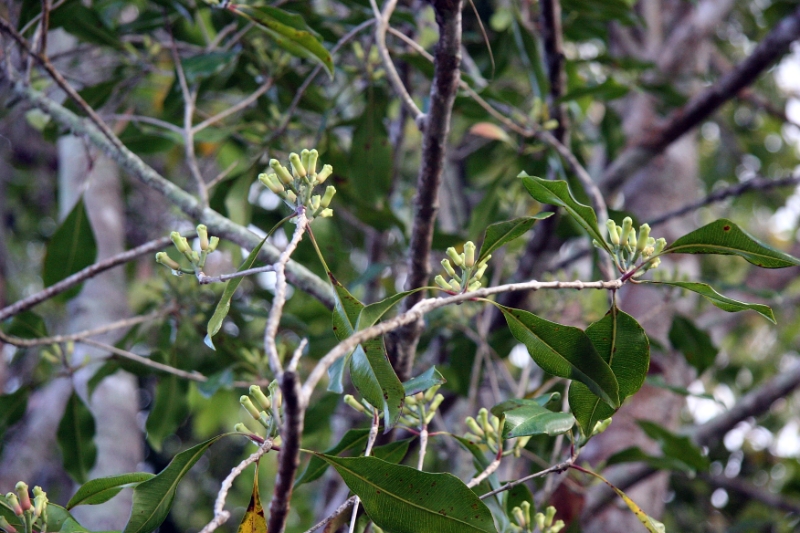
(370, 369)
(85, 24)
(201, 66)
(394, 452)
(100, 490)
(723, 302)
(336, 375)
(71, 248)
(371, 313)
(75, 437)
(501, 233)
(289, 31)
(723, 237)
(694, 343)
(402, 499)
(424, 381)
(622, 342)
(224, 305)
(170, 409)
(152, 499)
(254, 520)
(558, 193)
(515, 403)
(534, 419)
(354, 439)
(680, 448)
(563, 351)
(26, 325)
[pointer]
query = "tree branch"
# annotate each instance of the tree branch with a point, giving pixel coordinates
(447, 59)
(217, 224)
(289, 457)
(772, 47)
(553, 42)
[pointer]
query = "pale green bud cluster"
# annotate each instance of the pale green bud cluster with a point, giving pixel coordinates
(522, 517)
(420, 408)
(544, 521)
(471, 273)
(29, 511)
(296, 187)
(632, 251)
(264, 408)
(197, 259)
(484, 430)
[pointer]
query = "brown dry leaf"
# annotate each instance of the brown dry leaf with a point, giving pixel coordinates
(254, 520)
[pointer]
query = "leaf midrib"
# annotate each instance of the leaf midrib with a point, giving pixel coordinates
(741, 250)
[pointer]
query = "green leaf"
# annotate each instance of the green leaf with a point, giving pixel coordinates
(563, 351)
(371, 157)
(170, 409)
(26, 325)
(370, 314)
(71, 248)
(500, 233)
(533, 419)
(215, 382)
(558, 193)
(514, 403)
(354, 439)
(224, 304)
(622, 342)
(694, 343)
(723, 237)
(199, 67)
(76, 439)
(424, 381)
(58, 518)
(254, 520)
(723, 302)
(289, 31)
(84, 23)
(370, 369)
(152, 499)
(402, 499)
(102, 489)
(394, 452)
(680, 448)
(634, 454)
(12, 408)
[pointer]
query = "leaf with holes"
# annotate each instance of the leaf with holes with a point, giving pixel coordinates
(723, 302)
(621, 341)
(723, 237)
(75, 437)
(71, 248)
(500, 233)
(402, 499)
(563, 351)
(558, 193)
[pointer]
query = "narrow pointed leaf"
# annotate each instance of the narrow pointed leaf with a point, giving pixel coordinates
(678, 447)
(336, 376)
(102, 489)
(394, 452)
(563, 351)
(424, 381)
(290, 32)
(254, 520)
(558, 193)
(152, 499)
(370, 315)
(534, 419)
(402, 499)
(71, 248)
(514, 403)
(27, 325)
(501, 233)
(75, 437)
(694, 343)
(723, 237)
(652, 525)
(723, 302)
(354, 439)
(622, 342)
(224, 305)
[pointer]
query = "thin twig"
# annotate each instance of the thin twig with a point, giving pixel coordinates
(488, 471)
(381, 26)
(555, 468)
(82, 275)
(222, 175)
(275, 312)
(220, 514)
(426, 306)
(235, 108)
(71, 337)
(373, 434)
(339, 510)
(147, 120)
(205, 280)
(193, 376)
(298, 352)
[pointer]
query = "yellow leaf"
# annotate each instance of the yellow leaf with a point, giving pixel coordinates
(254, 520)
(491, 131)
